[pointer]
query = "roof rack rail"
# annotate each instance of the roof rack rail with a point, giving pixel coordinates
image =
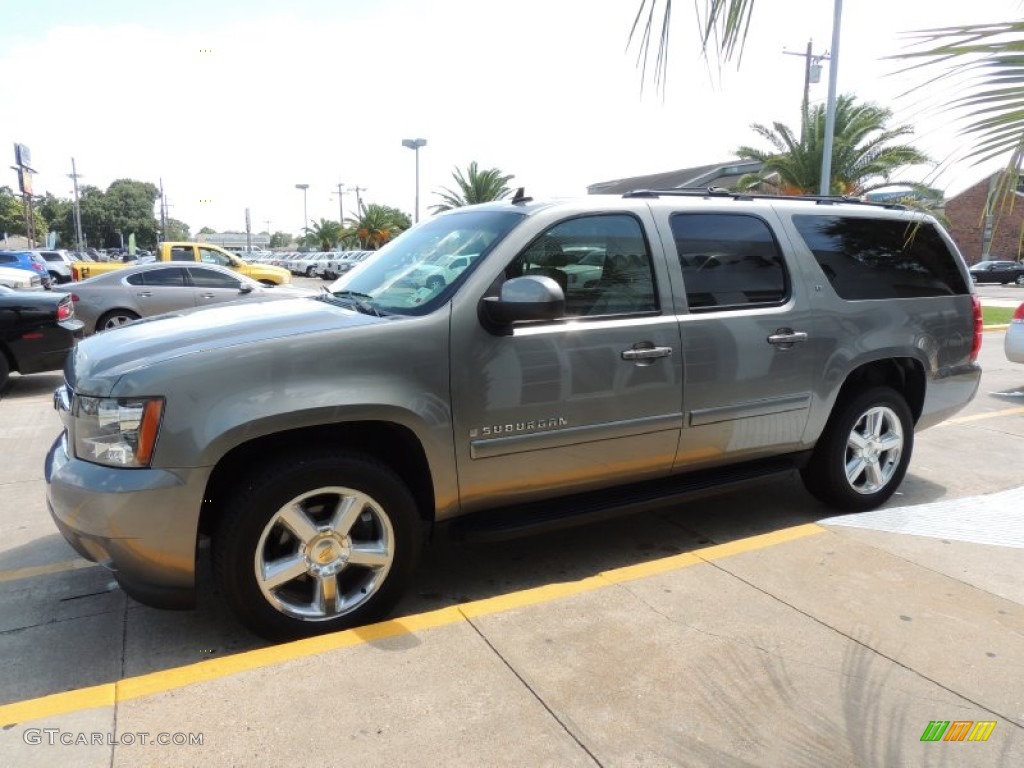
(722, 192)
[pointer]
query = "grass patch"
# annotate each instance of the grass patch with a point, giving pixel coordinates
(996, 315)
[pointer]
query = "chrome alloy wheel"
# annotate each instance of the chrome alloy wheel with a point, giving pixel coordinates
(873, 450)
(324, 553)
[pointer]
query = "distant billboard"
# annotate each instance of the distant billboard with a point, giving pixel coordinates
(22, 156)
(25, 181)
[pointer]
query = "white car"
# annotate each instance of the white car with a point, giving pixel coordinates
(1013, 344)
(20, 279)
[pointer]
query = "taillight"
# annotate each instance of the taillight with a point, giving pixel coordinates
(65, 311)
(979, 325)
(1018, 316)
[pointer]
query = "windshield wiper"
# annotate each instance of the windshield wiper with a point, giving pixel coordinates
(361, 301)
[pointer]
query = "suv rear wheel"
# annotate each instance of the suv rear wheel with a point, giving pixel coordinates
(863, 454)
(325, 542)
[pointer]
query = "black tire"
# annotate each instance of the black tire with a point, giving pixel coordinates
(115, 318)
(309, 271)
(268, 283)
(5, 369)
(1019, 280)
(284, 514)
(832, 474)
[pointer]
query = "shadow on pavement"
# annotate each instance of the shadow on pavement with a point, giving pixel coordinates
(32, 385)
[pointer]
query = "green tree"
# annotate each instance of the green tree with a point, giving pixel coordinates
(93, 211)
(177, 231)
(60, 218)
(12, 215)
(376, 225)
(207, 231)
(130, 208)
(475, 186)
(325, 233)
(864, 156)
(280, 240)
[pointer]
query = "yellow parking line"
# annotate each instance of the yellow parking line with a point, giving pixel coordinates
(44, 570)
(109, 694)
(1016, 410)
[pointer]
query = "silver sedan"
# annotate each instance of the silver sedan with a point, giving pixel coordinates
(115, 298)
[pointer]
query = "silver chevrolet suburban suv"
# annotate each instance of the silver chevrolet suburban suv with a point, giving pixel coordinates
(512, 366)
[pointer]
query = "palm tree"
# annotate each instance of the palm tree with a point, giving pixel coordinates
(325, 233)
(377, 225)
(474, 187)
(994, 101)
(863, 155)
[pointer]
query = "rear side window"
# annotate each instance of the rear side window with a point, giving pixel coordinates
(182, 253)
(881, 258)
(729, 261)
(173, 278)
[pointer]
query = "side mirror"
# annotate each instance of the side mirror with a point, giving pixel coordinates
(246, 288)
(523, 299)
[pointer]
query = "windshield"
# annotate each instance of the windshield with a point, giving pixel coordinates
(415, 273)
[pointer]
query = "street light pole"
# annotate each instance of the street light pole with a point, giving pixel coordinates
(305, 215)
(414, 145)
(830, 111)
(78, 209)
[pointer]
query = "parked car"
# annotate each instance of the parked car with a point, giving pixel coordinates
(1001, 271)
(37, 330)
(28, 261)
(317, 443)
(20, 279)
(58, 264)
(1013, 343)
(116, 298)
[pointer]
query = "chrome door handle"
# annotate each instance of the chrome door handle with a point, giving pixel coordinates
(646, 353)
(207, 296)
(145, 294)
(787, 336)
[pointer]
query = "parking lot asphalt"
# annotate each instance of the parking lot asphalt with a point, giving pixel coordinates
(753, 629)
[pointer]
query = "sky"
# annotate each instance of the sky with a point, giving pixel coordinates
(231, 103)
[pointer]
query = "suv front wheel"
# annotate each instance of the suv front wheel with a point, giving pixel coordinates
(325, 542)
(863, 454)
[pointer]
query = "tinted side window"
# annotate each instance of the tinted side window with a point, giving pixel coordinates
(136, 279)
(601, 262)
(165, 277)
(881, 258)
(729, 261)
(210, 278)
(182, 253)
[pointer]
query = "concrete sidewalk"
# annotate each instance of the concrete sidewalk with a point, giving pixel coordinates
(815, 646)
(748, 630)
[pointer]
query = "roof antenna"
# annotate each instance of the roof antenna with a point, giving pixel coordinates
(520, 196)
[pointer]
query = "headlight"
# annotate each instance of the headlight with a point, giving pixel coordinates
(118, 432)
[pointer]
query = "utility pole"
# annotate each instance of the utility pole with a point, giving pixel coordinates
(359, 199)
(163, 213)
(341, 207)
(75, 175)
(812, 74)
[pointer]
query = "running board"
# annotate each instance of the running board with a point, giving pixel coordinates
(568, 511)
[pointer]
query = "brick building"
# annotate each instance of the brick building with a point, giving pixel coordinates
(981, 233)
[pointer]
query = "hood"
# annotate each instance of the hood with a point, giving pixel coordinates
(100, 360)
